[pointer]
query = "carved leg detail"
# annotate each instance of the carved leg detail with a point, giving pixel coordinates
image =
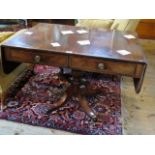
(60, 102)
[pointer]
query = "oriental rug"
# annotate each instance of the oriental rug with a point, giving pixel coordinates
(31, 96)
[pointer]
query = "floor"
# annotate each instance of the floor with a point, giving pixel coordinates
(138, 110)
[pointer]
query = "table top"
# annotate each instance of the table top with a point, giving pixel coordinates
(74, 40)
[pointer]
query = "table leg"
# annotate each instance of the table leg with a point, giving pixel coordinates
(84, 104)
(81, 92)
(60, 102)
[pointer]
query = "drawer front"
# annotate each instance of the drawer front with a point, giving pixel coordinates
(102, 66)
(28, 56)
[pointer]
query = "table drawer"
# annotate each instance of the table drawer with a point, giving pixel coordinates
(102, 66)
(41, 57)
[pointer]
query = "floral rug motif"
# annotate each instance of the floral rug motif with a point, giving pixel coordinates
(29, 102)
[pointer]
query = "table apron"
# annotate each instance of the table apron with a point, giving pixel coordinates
(82, 63)
(28, 56)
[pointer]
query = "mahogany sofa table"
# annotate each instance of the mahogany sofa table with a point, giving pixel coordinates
(78, 48)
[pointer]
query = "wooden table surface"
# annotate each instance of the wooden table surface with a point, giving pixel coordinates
(103, 43)
(93, 50)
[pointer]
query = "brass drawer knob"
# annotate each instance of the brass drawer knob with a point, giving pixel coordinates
(37, 59)
(101, 66)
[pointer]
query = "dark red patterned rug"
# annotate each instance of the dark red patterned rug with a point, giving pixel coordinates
(30, 99)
